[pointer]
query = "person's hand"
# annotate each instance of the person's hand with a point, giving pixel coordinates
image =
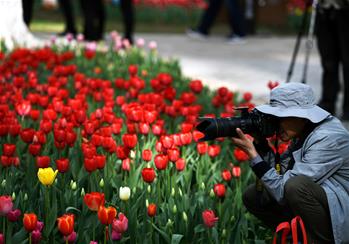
(246, 144)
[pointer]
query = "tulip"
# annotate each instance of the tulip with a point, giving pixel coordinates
(126, 164)
(124, 193)
(148, 175)
(27, 135)
(30, 221)
(120, 225)
(2, 238)
(36, 236)
(66, 224)
(236, 171)
(71, 238)
(23, 108)
(214, 150)
(166, 141)
(106, 215)
(196, 86)
(151, 210)
(47, 176)
(219, 190)
(226, 175)
(8, 149)
(209, 218)
(13, 215)
(173, 154)
(42, 161)
(180, 164)
(129, 140)
(6, 205)
(161, 161)
(62, 165)
(240, 155)
(185, 217)
(94, 200)
(147, 155)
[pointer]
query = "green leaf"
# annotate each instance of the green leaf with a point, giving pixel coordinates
(176, 238)
(20, 236)
(162, 233)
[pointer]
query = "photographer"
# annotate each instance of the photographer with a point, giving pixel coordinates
(313, 180)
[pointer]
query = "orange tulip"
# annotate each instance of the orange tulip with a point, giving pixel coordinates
(106, 215)
(66, 224)
(29, 221)
(94, 200)
(152, 210)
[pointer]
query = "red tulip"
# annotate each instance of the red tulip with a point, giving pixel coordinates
(186, 138)
(148, 175)
(147, 155)
(247, 96)
(166, 141)
(161, 161)
(129, 140)
(156, 129)
(132, 69)
(186, 127)
(240, 155)
(122, 152)
(219, 190)
(6, 205)
(209, 218)
(42, 161)
(126, 164)
(151, 210)
(120, 225)
(143, 128)
(66, 224)
(272, 84)
(94, 200)
(100, 161)
(27, 135)
(14, 129)
(90, 164)
(214, 150)
(34, 149)
(106, 215)
(180, 164)
(30, 221)
(5, 161)
(23, 108)
(196, 86)
(226, 175)
(236, 170)
(202, 147)
(8, 149)
(62, 165)
(173, 154)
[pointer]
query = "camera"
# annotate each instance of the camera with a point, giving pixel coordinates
(253, 122)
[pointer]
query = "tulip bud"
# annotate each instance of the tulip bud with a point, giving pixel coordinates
(185, 217)
(56, 181)
(173, 192)
(73, 186)
(82, 192)
(146, 203)
(224, 233)
(13, 196)
(202, 185)
(3, 183)
(149, 189)
(212, 193)
(169, 223)
(132, 154)
(232, 219)
(174, 209)
(25, 198)
(134, 189)
(101, 183)
(180, 192)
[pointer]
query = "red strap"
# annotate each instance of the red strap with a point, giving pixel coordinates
(294, 227)
(285, 228)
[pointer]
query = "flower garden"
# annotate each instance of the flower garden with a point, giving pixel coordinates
(98, 145)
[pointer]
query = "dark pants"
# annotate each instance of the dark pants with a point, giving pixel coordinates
(128, 18)
(333, 44)
(304, 198)
(27, 11)
(94, 19)
(236, 19)
(68, 13)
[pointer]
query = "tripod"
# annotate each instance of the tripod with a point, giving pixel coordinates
(309, 42)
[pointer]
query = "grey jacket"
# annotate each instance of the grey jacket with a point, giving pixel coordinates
(324, 157)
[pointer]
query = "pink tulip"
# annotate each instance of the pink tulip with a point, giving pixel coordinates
(13, 215)
(6, 205)
(115, 236)
(2, 238)
(71, 238)
(121, 224)
(36, 236)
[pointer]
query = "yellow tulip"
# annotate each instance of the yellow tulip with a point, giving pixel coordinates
(47, 176)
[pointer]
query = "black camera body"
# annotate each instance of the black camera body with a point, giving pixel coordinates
(254, 122)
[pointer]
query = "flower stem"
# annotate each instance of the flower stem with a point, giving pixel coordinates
(66, 240)
(30, 238)
(4, 226)
(105, 235)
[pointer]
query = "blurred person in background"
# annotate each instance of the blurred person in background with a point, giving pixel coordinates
(27, 11)
(69, 19)
(332, 34)
(94, 19)
(127, 12)
(236, 21)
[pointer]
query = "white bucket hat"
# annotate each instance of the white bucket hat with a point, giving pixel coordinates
(294, 100)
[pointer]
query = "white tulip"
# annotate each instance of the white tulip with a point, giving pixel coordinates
(124, 193)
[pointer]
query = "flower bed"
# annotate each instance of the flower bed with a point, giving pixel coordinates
(99, 145)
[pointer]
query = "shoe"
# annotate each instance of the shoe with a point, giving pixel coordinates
(236, 40)
(194, 34)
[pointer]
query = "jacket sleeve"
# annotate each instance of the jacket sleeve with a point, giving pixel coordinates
(319, 160)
